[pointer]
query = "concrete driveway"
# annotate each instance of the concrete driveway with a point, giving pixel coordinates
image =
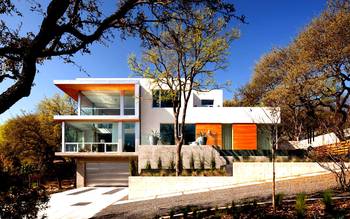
(83, 202)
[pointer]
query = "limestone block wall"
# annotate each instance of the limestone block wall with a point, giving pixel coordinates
(244, 173)
(168, 152)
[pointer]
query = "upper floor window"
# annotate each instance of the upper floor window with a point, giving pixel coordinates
(161, 98)
(107, 103)
(100, 103)
(207, 103)
(129, 103)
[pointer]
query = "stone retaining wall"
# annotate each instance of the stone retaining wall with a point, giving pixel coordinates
(168, 152)
(243, 173)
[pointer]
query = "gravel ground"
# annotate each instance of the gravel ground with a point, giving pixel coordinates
(220, 197)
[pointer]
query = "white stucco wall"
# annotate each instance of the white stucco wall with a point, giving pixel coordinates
(151, 117)
(216, 95)
(320, 140)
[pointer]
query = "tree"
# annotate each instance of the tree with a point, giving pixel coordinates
(32, 139)
(71, 26)
(184, 60)
(309, 78)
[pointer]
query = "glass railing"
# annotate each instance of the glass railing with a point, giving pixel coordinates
(99, 111)
(91, 147)
(87, 111)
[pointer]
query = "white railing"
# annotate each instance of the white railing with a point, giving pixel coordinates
(91, 147)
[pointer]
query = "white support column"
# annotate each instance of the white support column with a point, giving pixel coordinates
(137, 100)
(121, 103)
(137, 136)
(79, 103)
(120, 137)
(63, 131)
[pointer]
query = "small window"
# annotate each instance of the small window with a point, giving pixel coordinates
(207, 103)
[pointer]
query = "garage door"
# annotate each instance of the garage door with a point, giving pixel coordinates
(107, 174)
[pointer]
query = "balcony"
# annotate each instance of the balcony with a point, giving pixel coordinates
(106, 103)
(91, 147)
(99, 137)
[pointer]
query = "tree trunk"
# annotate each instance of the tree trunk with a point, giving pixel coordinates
(274, 146)
(178, 157)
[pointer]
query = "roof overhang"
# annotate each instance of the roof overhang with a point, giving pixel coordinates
(72, 87)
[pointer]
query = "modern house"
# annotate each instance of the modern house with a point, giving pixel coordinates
(117, 115)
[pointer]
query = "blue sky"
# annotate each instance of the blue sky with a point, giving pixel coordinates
(272, 23)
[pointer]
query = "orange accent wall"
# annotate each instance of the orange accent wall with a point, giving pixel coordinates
(215, 136)
(244, 137)
(73, 89)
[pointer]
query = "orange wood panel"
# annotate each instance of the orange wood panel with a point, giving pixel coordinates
(244, 136)
(73, 89)
(213, 132)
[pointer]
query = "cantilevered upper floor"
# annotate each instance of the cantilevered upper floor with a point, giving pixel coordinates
(102, 99)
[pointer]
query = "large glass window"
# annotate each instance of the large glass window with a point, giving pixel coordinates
(100, 103)
(167, 134)
(161, 98)
(91, 137)
(129, 103)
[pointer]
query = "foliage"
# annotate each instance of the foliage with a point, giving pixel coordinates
(327, 200)
(212, 162)
(69, 27)
(308, 79)
(184, 60)
(159, 163)
(300, 205)
(148, 165)
(133, 169)
(279, 199)
(192, 162)
(17, 198)
(202, 163)
(171, 164)
(32, 139)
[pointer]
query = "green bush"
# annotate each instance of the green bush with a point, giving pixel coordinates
(171, 164)
(234, 210)
(148, 165)
(327, 200)
(159, 164)
(212, 162)
(133, 168)
(201, 163)
(279, 199)
(181, 162)
(192, 162)
(300, 205)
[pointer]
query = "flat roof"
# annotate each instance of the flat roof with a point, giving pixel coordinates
(72, 87)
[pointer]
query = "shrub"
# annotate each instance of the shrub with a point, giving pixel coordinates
(192, 162)
(171, 164)
(133, 168)
(171, 213)
(300, 205)
(212, 162)
(279, 199)
(159, 164)
(148, 165)
(201, 162)
(234, 210)
(327, 200)
(181, 163)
